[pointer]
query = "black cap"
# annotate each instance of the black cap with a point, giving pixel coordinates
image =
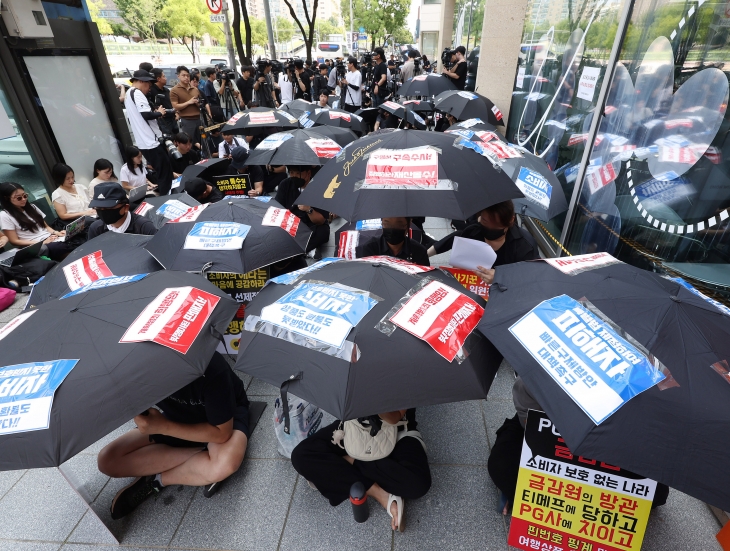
(239, 156)
(108, 195)
(195, 187)
(144, 76)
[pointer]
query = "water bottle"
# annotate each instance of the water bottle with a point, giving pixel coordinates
(359, 500)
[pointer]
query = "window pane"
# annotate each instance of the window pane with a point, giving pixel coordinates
(430, 42)
(431, 1)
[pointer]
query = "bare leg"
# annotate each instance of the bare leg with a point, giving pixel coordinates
(381, 496)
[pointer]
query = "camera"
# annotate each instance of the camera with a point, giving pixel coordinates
(159, 98)
(341, 68)
(261, 65)
(166, 140)
(367, 58)
(446, 57)
(417, 63)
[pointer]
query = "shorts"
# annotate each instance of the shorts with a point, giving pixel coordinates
(240, 422)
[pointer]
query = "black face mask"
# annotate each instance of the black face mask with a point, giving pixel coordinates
(394, 236)
(110, 216)
(297, 181)
(490, 234)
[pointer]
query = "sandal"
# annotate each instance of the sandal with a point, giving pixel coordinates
(399, 502)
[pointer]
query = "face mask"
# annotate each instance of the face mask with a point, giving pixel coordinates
(297, 181)
(394, 236)
(109, 216)
(490, 234)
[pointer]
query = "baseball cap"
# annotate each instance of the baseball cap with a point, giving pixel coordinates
(239, 156)
(108, 195)
(144, 76)
(195, 187)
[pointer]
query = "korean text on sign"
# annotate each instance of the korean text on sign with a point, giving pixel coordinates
(535, 187)
(85, 270)
(470, 281)
(282, 218)
(232, 185)
(596, 367)
(206, 236)
(415, 168)
(565, 502)
(325, 313)
(573, 265)
(106, 282)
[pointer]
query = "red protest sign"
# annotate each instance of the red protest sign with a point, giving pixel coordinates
(470, 281)
(86, 270)
(348, 244)
(283, 218)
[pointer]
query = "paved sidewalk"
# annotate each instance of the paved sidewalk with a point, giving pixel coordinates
(266, 506)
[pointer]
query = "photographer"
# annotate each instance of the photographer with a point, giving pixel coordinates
(245, 86)
(185, 99)
(302, 81)
(408, 70)
(159, 95)
(212, 97)
(190, 153)
(457, 72)
(319, 86)
(352, 86)
(143, 121)
(380, 78)
(224, 81)
(332, 78)
(264, 85)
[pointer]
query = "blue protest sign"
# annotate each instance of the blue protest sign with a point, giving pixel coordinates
(207, 236)
(535, 187)
(464, 133)
(372, 224)
(26, 394)
(105, 282)
(291, 277)
(719, 305)
(173, 209)
(325, 313)
(596, 367)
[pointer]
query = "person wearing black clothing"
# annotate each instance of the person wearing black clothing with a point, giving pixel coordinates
(457, 73)
(316, 219)
(496, 227)
(112, 207)
(190, 153)
(402, 474)
(202, 191)
(212, 97)
(396, 243)
(239, 157)
(302, 81)
(198, 437)
(380, 78)
(160, 95)
(244, 83)
(445, 122)
(319, 84)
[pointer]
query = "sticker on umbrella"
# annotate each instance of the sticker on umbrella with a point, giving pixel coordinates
(325, 313)
(173, 209)
(143, 208)
(291, 277)
(441, 316)
(596, 367)
(349, 241)
(413, 168)
(470, 281)
(323, 147)
(173, 319)
(275, 141)
(338, 115)
(86, 270)
(397, 264)
(262, 118)
(497, 113)
(282, 218)
(106, 282)
(234, 119)
(467, 95)
(573, 265)
(16, 321)
(371, 224)
(218, 236)
(191, 215)
(392, 105)
(471, 122)
(535, 187)
(26, 394)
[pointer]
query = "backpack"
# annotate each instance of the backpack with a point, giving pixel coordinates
(26, 273)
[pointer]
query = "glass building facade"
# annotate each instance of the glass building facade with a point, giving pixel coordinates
(627, 103)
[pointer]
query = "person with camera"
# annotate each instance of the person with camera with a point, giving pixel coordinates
(245, 86)
(143, 121)
(224, 84)
(190, 153)
(380, 78)
(319, 85)
(264, 85)
(332, 78)
(351, 85)
(160, 95)
(408, 70)
(185, 98)
(302, 81)
(457, 71)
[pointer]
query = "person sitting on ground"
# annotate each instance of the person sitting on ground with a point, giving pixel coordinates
(395, 242)
(23, 224)
(198, 439)
(316, 219)
(134, 172)
(385, 119)
(69, 198)
(445, 122)
(323, 99)
(229, 143)
(190, 153)
(112, 207)
(202, 191)
(496, 227)
(103, 172)
(404, 474)
(273, 177)
(213, 142)
(255, 174)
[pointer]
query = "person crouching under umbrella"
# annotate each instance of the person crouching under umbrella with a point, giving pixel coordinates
(198, 438)
(395, 242)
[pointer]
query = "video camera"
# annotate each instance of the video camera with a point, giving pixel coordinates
(261, 65)
(367, 58)
(446, 57)
(166, 141)
(341, 68)
(277, 67)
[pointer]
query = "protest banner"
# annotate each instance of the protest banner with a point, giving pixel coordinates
(85, 270)
(26, 394)
(174, 318)
(347, 247)
(470, 281)
(262, 118)
(325, 313)
(143, 208)
(535, 187)
(585, 356)
(282, 218)
(573, 265)
(416, 167)
(371, 224)
(242, 288)
(565, 502)
(105, 282)
(172, 209)
(220, 236)
(397, 264)
(323, 147)
(441, 316)
(232, 185)
(190, 216)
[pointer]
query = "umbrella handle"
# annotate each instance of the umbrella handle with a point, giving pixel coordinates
(285, 401)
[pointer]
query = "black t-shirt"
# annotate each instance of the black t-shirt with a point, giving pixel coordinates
(139, 225)
(287, 195)
(412, 251)
(190, 158)
(298, 92)
(518, 245)
(214, 196)
(212, 398)
(245, 86)
(459, 69)
(380, 70)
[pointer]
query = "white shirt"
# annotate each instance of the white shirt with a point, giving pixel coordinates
(354, 97)
(144, 134)
(237, 142)
(123, 227)
(287, 91)
(7, 222)
(133, 179)
(73, 203)
(94, 182)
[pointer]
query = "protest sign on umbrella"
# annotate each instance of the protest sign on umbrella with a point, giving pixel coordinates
(463, 105)
(294, 147)
(405, 113)
(339, 118)
(342, 136)
(426, 85)
(163, 209)
(258, 118)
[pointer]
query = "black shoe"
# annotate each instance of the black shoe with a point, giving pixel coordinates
(211, 489)
(129, 497)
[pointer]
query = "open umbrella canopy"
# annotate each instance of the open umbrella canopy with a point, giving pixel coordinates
(236, 235)
(303, 146)
(342, 136)
(464, 105)
(260, 117)
(428, 85)
(205, 169)
(339, 118)
(408, 173)
(476, 124)
(404, 112)
(164, 208)
(636, 377)
(417, 105)
(335, 332)
(110, 254)
(76, 343)
(298, 107)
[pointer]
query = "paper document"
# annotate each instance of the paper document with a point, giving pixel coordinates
(469, 253)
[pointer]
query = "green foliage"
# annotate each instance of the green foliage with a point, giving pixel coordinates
(142, 16)
(259, 35)
(103, 25)
(189, 18)
(284, 29)
(118, 29)
(378, 17)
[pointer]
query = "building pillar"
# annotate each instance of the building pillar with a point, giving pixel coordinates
(446, 32)
(499, 51)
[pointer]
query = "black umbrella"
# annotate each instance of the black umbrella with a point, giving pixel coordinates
(342, 136)
(476, 125)
(298, 107)
(377, 367)
(369, 114)
(110, 254)
(426, 85)
(408, 173)
(405, 113)
(339, 118)
(236, 235)
(258, 118)
(676, 431)
(417, 105)
(165, 208)
(111, 381)
(304, 146)
(205, 169)
(463, 105)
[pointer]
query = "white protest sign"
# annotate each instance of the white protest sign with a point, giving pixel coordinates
(221, 236)
(282, 218)
(572, 265)
(587, 83)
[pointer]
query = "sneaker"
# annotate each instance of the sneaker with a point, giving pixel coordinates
(133, 495)
(211, 489)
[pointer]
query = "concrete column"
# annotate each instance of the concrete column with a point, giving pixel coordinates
(501, 38)
(447, 28)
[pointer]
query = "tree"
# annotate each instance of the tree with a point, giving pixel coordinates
(189, 19)
(284, 29)
(259, 34)
(118, 29)
(326, 28)
(378, 17)
(241, 11)
(142, 16)
(403, 36)
(310, 21)
(101, 23)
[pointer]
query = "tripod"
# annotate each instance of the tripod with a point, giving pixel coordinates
(229, 100)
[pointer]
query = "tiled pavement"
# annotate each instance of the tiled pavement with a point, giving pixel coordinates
(266, 506)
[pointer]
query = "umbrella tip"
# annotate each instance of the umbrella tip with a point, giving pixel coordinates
(675, 298)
